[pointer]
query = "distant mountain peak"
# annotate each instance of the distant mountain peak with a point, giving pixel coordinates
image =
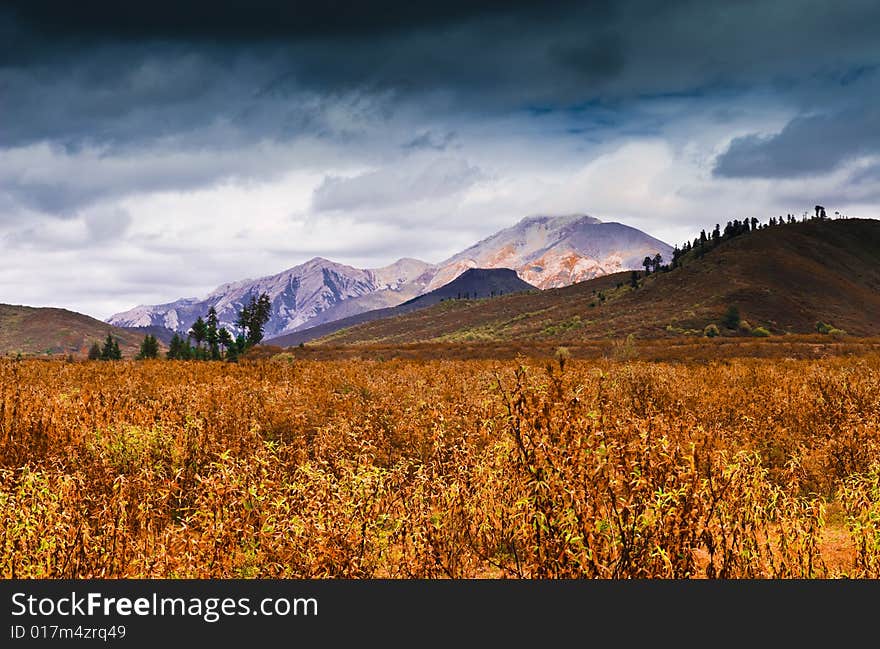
(487, 272)
(557, 220)
(550, 251)
(322, 262)
(405, 260)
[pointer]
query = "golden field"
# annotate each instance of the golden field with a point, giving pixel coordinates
(603, 468)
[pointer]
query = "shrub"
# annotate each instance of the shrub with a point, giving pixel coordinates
(711, 331)
(831, 330)
(562, 354)
(744, 326)
(760, 332)
(625, 350)
(731, 317)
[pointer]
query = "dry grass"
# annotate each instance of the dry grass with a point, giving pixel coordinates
(678, 350)
(354, 468)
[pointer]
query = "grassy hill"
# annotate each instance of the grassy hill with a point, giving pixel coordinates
(784, 278)
(31, 331)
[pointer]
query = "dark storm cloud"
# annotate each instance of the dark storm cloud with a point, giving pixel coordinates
(213, 75)
(117, 73)
(250, 20)
(841, 122)
(118, 96)
(220, 60)
(807, 145)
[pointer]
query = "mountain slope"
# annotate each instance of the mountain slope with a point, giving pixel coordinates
(30, 330)
(784, 278)
(474, 283)
(554, 251)
(162, 334)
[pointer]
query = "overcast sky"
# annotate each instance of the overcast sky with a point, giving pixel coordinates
(154, 151)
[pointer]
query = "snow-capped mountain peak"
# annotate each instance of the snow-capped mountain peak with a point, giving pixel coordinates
(552, 251)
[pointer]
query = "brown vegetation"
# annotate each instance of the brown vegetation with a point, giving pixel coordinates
(565, 468)
(683, 349)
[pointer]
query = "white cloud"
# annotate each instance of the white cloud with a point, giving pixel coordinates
(411, 180)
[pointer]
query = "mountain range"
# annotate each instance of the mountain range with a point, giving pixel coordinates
(544, 251)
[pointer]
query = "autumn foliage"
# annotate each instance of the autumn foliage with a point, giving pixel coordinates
(403, 469)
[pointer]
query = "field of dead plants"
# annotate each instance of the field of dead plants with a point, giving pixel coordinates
(739, 468)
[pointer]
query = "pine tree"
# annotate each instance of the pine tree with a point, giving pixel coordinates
(107, 351)
(186, 350)
(244, 316)
(731, 317)
(729, 230)
(225, 338)
(95, 352)
(236, 349)
(253, 318)
(175, 348)
(212, 333)
(149, 348)
(199, 331)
